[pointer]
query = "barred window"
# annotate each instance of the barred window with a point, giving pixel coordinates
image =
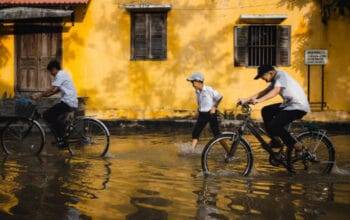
(262, 44)
(148, 37)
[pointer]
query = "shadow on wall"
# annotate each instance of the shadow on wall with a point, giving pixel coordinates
(74, 38)
(155, 84)
(311, 33)
(70, 46)
(304, 34)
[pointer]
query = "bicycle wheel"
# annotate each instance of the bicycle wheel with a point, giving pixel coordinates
(320, 156)
(89, 137)
(22, 136)
(215, 159)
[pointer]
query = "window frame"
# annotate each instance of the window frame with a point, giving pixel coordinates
(148, 37)
(282, 44)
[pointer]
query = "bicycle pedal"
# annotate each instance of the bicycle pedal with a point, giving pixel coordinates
(276, 159)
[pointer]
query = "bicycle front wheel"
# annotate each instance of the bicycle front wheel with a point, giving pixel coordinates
(89, 137)
(22, 136)
(320, 156)
(216, 160)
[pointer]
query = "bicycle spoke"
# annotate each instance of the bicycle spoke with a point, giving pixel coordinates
(318, 143)
(92, 139)
(12, 133)
(216, 159)
(22, 136)
(320, 156)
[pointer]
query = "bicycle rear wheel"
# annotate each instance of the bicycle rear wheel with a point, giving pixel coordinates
(89, 137)
(215, 157)
(22, 136)
(320, 156)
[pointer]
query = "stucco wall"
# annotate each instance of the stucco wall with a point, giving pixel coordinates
(200, 38)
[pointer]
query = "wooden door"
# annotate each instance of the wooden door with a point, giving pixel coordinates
(35, 47)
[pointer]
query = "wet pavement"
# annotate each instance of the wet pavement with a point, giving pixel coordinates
(149, 175)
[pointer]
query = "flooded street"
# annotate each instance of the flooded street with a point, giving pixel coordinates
(149, 175)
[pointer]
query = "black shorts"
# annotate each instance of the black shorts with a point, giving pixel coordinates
(203, 119)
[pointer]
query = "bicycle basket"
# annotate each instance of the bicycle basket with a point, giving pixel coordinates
(24, 107)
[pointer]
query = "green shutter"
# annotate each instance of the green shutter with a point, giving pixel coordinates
(158, 36)
(241, 46)
(139, 48)
(283, 46)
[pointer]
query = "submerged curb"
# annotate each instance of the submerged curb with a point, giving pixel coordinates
(343, 127)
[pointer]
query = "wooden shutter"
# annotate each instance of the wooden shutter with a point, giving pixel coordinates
(158, 36)
(283, 45)
(241, 46)
(139, 36)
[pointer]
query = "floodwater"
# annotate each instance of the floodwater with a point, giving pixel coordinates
(150, 175)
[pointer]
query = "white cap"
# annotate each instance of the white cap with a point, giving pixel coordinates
(196, 76)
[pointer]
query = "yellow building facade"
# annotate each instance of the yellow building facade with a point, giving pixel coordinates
(200, 36)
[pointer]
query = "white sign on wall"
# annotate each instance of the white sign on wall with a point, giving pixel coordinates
(316, 57)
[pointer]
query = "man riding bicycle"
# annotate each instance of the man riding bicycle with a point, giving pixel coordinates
(63, 83)
(276, 116)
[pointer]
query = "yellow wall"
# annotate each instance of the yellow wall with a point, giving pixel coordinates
(200, 38)
(6, 66)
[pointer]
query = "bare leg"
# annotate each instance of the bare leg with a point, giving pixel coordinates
(225, 146)
(194, 143)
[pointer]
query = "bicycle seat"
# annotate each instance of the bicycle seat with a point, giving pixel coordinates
(296, 122)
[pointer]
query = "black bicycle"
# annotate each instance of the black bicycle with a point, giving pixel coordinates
(23, 134)
(231, 153)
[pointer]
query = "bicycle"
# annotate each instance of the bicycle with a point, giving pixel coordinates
(23, 134)
(238, 158)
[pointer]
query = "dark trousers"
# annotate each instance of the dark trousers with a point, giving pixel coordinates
(54, 116)
(202, 120)
(276, 119)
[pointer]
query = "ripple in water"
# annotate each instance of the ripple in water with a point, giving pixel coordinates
(340, 171)
(185, 149)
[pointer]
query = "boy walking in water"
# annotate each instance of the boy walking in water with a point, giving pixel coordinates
(208, 100)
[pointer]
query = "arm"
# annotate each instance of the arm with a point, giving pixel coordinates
(214, 108)
(271, 94)
(49, 92)
(261, 93)
(217, 100)
(256, 96)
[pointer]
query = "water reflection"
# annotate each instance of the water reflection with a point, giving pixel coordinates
(146, 203)
(43, 189)
(146, 178)
(260, 199)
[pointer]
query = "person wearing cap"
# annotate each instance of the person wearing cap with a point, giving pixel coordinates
(208, 100)
(276, 116)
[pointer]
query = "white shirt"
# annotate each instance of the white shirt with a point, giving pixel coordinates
(207, 98)
(65, 84)
(293, 95)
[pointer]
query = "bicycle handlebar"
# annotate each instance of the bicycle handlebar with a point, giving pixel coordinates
(246, 109)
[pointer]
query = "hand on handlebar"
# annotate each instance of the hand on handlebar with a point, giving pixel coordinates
(254, 101)
(35, 96)
(247, 102)
(241, 101)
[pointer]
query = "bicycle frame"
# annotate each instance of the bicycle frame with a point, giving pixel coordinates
(36, 115)
(252, 128)
(255, 130)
